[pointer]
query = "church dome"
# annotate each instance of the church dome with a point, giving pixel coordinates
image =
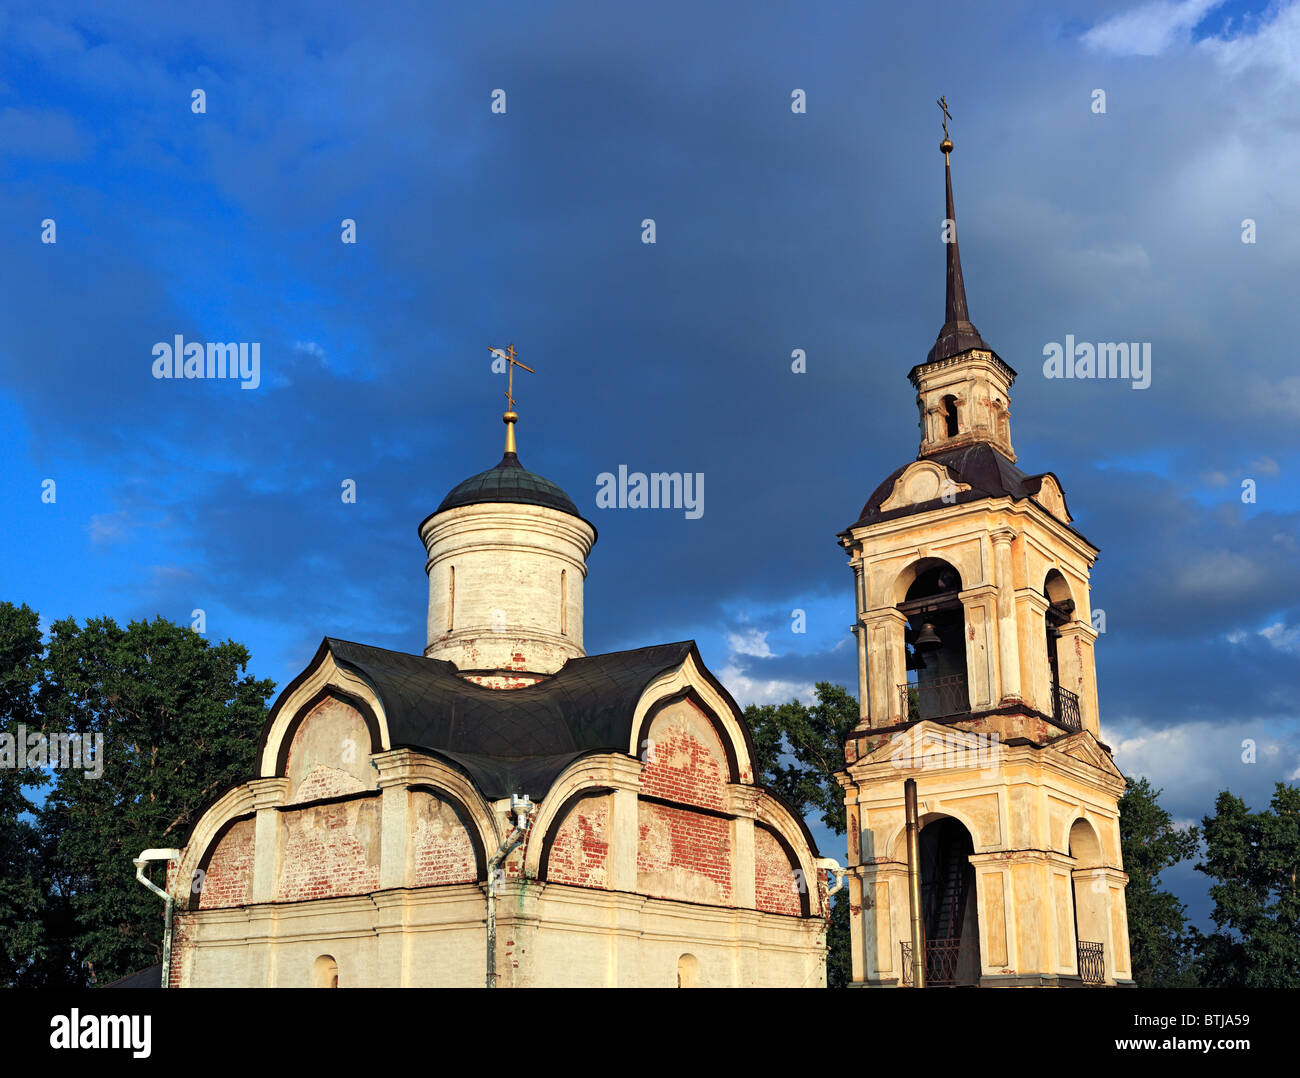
(509, 481)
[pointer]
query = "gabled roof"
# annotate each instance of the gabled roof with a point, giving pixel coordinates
(510, 740)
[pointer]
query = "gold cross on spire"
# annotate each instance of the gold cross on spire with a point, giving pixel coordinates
(946, 145)
(508, 354)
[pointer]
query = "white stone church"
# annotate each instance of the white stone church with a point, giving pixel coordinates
(504, 809)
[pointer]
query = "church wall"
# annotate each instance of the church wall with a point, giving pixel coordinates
(733, 947)
(328, 850)
(579, 853)
(685, 760)
(329, 755)
(683, 854)
(228, 879)
(441, 851)
(776, 886)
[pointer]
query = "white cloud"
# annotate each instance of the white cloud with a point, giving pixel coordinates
(1282, 638)
(105, 528)
(750, 642)
(1149, 29)
(756, 690)
(1274, 47)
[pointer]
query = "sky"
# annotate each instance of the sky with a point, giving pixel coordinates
(775, 230)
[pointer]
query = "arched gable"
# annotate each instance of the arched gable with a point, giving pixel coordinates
(690, 679)
(322, 678)
(326, 749)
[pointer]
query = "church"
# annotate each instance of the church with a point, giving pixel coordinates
(977, 688)
(504, 809)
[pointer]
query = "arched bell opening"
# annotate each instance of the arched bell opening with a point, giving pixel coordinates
(1060, 612)
(936, 646)
(950, 914)
(1091, 896)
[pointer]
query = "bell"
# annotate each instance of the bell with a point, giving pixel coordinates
(927, 639)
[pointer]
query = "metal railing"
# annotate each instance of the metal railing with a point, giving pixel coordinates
(940, 963)
(934, 699)
(1092, 962)
(1065, 708)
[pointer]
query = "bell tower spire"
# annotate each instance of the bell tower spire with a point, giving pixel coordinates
(963, 385)
(957, 334)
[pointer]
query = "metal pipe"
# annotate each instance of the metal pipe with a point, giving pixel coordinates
(160, 855)
(832, 868)
(519, 808)
(914, 883)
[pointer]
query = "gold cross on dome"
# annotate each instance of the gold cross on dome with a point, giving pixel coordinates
(508, 354)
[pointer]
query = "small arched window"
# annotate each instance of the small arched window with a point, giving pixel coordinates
(325, 972)
(451, 596)
(688, 971)
(564, 605)
(950, 415)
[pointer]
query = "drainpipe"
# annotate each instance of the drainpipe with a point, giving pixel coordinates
(832, 868)
(520, 807)
(160, 855)
(914, 883)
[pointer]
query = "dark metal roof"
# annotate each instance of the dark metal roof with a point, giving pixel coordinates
(958, 334)
(988, 473)
(509, 481)
(144, 978)
(510, 740)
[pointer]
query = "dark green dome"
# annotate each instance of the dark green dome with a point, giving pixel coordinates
(509, 481)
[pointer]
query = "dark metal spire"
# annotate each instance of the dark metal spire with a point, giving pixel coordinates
(958, 334)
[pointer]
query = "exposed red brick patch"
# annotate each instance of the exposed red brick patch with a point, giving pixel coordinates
(776, 887)
(228, 880)
(580, 851)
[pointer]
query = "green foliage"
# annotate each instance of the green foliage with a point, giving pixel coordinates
(1159, 943)
(797, 751)
(180, 723)
(23, 947)
(839, 965)
(1254, 858)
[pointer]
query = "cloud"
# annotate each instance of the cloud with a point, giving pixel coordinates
(750, 642)
(1149, 29)
(748, 689)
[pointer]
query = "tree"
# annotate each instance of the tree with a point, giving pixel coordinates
(1254, 858)
(1159, 944)
(180, 722)
(798, 750)
(23, 946)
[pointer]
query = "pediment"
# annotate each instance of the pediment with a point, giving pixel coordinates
(1086, 749)
(922, 481)
(1052, 498)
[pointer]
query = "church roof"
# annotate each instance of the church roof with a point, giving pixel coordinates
(509, 481)
(511, 740)
(958, 334)
(988, 473)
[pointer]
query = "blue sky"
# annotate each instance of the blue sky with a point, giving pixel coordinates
(775, 231)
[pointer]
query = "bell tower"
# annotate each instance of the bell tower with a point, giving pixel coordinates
(976, 679)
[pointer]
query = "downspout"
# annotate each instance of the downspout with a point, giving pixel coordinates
(160, 855)
(914, 883)
(520, 807)
(832, 868)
